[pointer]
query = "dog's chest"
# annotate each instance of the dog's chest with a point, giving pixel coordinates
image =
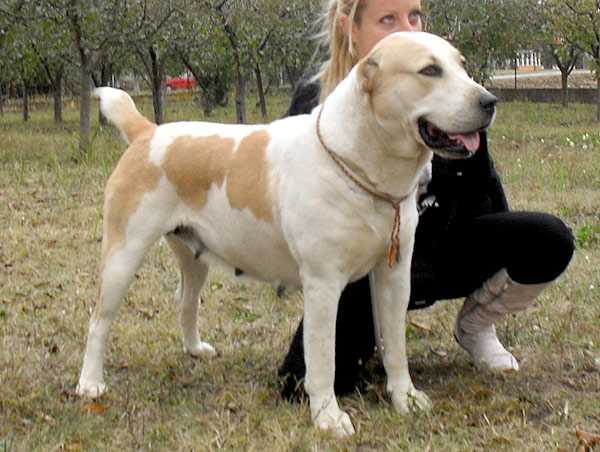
(348, 236)
(370, 241)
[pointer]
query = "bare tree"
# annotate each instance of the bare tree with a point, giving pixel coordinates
(93, 26)
(154, 46)
(578, 23)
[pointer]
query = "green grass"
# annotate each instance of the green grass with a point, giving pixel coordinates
(158, 398)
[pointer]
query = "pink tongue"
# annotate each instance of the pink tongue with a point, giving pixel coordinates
(471, 141)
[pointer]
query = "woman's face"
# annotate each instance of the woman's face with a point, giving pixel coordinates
(379, 18)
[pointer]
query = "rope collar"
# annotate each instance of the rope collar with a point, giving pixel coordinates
(394, 246)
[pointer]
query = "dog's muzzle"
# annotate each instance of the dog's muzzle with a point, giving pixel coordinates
(457, 145)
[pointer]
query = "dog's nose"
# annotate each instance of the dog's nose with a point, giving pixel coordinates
(487, 102)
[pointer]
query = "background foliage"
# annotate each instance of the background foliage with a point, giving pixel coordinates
(235, 48)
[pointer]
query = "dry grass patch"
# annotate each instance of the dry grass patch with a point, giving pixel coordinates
(158, 398)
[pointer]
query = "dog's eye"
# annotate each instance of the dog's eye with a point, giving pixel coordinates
(433, 70)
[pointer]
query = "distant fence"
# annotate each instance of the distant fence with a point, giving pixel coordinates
(548, 95)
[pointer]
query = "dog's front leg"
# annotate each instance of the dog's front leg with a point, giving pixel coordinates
(321, 297)
(390, 291)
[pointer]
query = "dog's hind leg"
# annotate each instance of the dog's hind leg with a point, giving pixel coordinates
(116, 273)
(193, 273)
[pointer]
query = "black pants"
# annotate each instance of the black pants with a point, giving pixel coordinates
(533, 247)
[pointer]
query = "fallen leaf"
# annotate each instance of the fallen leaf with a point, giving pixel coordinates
(420, 324)
(148, 314)
(588, 439)
(73, 447)
(232, 407)
(439, 352)
(94, 408)
(48, 418)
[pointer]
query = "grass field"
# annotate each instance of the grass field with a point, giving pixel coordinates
(161, 399)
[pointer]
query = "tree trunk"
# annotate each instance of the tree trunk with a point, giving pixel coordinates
(261, 91)
(240, 97)
(564, 78)
(205, 102)
(158, 103)
(104, 81)
(57, 93)
(85, 103)
(205, 99)
(291, 76)
(158, 92)
(240, 83)
(598, 98)
(2, 99)
(25, 102)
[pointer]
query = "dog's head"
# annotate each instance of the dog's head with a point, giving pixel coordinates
(419, 80)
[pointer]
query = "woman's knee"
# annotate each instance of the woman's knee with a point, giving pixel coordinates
(560, 240)
(547, 250)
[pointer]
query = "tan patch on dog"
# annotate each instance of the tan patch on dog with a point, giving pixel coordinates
(193, 164)
(135, 126)
(248, 177)
(134, 176)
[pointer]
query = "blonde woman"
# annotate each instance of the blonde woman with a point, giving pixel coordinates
(468, 243)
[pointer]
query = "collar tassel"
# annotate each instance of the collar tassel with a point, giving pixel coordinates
(394, 248)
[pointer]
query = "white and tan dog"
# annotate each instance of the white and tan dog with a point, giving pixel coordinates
(271, 201)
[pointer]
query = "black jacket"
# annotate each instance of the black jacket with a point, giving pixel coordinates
(459, 190)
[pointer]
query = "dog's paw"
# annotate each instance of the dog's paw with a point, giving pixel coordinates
(337, 423)
(200, 350)
(92, 390)
(412, 400)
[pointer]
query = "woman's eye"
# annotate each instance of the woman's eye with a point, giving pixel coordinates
(387, 20)
(433, 70)
(414, 18)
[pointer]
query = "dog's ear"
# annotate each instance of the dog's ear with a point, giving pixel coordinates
(367, 72)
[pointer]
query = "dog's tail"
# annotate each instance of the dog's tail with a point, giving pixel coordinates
(119, 108)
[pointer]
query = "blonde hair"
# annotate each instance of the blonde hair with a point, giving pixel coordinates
(341, 49)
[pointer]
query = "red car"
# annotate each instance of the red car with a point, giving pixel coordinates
(181, 83)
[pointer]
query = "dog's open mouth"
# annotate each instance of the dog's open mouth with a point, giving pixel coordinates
(452, 145)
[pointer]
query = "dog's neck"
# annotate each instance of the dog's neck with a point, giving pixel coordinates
(389, 163)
